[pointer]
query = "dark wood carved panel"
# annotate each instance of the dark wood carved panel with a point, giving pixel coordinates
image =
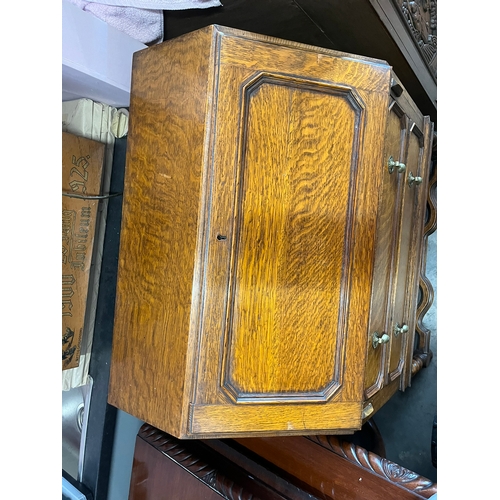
(155, 475)
(421, 18)
(208, 474)
(292, 468)
(423, 354)
(330, 468)
(186, 457)
(382, 467)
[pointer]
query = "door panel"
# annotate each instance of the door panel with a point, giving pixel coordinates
(398, 318)
(290, 248)
(388, 217)
(407, 265)
(420, 140)
(289, 245)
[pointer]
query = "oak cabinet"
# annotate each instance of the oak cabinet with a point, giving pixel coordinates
(399, 249)
(264, 241)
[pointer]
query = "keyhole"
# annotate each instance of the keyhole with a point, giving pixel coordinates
(221, 237)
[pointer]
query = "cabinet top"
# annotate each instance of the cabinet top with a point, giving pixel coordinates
(237, 33)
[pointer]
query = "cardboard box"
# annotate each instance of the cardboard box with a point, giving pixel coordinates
(82, 169)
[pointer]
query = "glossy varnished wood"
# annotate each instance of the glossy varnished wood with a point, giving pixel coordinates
(388, 211)
(423, 355)
(377, 28)
(154, 475)
(295, 468)
(293, 200)
(278, 240)
(424, 136)
(329, 468)
(399, 250)
(259, 237)
(160, 230)
(168, 469)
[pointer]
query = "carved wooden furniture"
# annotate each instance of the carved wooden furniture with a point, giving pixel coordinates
(319, 467)
(397, 272)
(422, 354)
(271, 239)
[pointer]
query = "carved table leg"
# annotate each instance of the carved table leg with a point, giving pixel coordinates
(423, 354)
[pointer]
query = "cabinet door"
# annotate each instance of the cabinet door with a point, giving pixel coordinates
(386, 248)
(409, 249)
(291, 201)
(398, 253)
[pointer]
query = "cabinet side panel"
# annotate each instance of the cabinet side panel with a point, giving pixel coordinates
(160, 226)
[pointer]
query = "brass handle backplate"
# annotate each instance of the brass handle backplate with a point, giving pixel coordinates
(414, 180)
(378, 339)
(400, 329)
(367, 411)
(393, 165)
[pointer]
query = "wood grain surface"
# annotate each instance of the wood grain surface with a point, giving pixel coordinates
(401, 363)
(388, 216)
(399, 251)
(266, 133)
(418, 239)
(290, 257)
(166, 468)
(405, 253)
(416, 485)
(426, 292)
(376, 28)
(252, 214)
(159, 234)
(150, 469)
(295, 468)
(260, 419)
(329, 472)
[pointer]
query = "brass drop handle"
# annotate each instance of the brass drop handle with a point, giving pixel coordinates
(392, 165)
(400, 329)
(414, 180)
(378, 339)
